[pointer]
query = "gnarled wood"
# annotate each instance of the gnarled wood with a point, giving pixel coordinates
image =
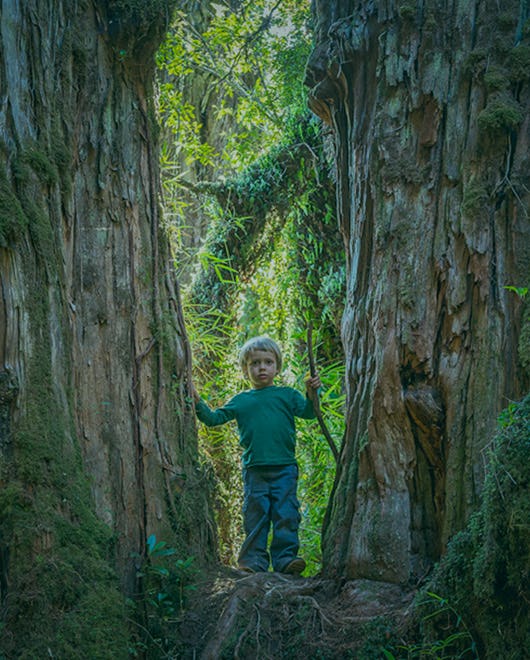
(432, 167)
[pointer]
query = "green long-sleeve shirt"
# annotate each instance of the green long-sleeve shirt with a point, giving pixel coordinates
(265, 419)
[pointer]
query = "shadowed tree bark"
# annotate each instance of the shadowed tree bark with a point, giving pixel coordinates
(97, 444)
(429, 108)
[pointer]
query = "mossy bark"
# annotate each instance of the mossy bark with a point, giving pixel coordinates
(432, 159)
(98, 446)
(484, 574)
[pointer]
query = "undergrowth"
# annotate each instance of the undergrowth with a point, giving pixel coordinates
(476, 605)
(167, 581)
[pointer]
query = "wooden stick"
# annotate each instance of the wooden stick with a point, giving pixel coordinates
(313, 395)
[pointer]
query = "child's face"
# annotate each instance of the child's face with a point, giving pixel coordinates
(261, 368)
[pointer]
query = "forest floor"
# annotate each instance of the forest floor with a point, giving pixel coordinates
(271, 616)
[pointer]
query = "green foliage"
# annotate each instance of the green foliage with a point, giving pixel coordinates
(216, 375)
(315, 460)
(484, 577)
(166, 582)
(521, 291)
(247, 66)
(272, 258)
(279, 213)
(454, 642)
(251, 60)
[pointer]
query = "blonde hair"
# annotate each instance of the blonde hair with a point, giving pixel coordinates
(259, 344)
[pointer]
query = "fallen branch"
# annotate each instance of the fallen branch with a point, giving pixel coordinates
(313, 395)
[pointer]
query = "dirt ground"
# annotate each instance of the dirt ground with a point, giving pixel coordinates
(271, 616)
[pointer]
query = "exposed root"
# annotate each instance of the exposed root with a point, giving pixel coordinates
(271, 616)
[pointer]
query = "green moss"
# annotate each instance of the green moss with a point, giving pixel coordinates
(484, 576)
(476, 61)
(41, 164)
(41, 230)
(430, 24)
(63, 594)
(30, 169)
(62, 157)
(64, 597)
(475, 199)
(11, 499)
(403, 169)
(502, 113)
(496, 79)
(19, 210)
(407, 12)
(519, 63)
(13, 220)
(377, 635)
(407, 287)
(64, 610)
(21, 172)
(507, 21)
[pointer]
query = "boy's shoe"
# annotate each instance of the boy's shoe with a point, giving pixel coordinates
(295, 566)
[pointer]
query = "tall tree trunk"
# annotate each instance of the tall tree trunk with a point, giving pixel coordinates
(97, 431)
(429, 107)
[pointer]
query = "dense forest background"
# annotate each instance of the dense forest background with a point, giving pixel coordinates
(178, 176)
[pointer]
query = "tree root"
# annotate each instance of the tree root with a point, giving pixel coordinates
(270, 616)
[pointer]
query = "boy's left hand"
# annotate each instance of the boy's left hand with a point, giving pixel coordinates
(313, 383)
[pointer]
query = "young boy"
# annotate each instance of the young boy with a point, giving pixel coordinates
(265, 417)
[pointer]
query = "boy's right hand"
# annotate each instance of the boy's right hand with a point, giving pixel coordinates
(196, 396)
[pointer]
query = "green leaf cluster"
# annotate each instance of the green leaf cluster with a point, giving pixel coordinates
(250, 62)
(166, 582)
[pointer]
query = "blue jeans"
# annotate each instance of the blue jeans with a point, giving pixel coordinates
(270, 498)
